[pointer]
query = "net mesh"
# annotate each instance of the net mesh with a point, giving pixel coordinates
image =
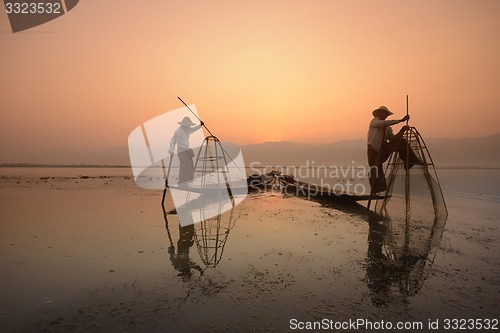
(414, 209)
(211, 236)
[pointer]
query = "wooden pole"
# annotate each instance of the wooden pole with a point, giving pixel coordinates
(194, 114)
(166, 182)
(407, 179)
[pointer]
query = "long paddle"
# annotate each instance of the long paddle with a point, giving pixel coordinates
(166, 182)
(203, 124)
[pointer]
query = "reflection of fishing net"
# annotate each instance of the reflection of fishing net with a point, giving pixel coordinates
(211, 236)
(415, 211)
(410, 267)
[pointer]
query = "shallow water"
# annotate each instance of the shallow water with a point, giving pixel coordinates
(94, 253)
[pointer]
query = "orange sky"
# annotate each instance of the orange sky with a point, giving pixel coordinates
(305, 71)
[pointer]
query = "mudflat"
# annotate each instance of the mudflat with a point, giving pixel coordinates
(88, 250)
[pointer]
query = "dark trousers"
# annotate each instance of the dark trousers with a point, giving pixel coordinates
(186, 166)
(376, 161)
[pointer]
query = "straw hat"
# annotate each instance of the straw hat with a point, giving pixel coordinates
(381, 109)
(186, 122)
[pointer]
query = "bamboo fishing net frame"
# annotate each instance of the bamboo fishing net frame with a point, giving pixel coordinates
(414, 211)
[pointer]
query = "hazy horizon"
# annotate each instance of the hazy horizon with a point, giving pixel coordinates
(257, 71)
(447, 152)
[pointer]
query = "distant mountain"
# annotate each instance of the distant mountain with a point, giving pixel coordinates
(109, 156)
(467, 152)
(298, 154)
(483, 152)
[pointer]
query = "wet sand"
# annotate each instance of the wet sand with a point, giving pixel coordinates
(93, 253)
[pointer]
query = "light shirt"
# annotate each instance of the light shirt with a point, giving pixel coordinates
(376, 132)
(181, 138)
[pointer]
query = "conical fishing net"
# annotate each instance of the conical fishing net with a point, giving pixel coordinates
(414, 209)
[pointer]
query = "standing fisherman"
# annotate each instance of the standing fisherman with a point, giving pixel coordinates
(382, 142)
(186, 154)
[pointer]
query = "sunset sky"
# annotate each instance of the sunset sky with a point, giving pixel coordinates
(304, 71)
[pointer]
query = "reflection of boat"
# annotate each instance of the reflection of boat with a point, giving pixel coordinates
(209, 190)
(292, 187)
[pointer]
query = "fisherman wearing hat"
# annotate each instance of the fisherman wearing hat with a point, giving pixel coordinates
(181, 139)
(382, 143)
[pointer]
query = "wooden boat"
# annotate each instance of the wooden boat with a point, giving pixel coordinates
(291, 187)
(288, 186)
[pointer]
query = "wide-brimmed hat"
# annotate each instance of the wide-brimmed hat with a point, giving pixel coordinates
(186, 122)
(380, 110)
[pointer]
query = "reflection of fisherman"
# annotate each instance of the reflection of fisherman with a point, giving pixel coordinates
(380, 271)
(404, 268)
(181, 260)
(181, 139)
(382, 143)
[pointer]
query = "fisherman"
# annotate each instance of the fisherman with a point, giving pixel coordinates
(186, 154)
(382, 143)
